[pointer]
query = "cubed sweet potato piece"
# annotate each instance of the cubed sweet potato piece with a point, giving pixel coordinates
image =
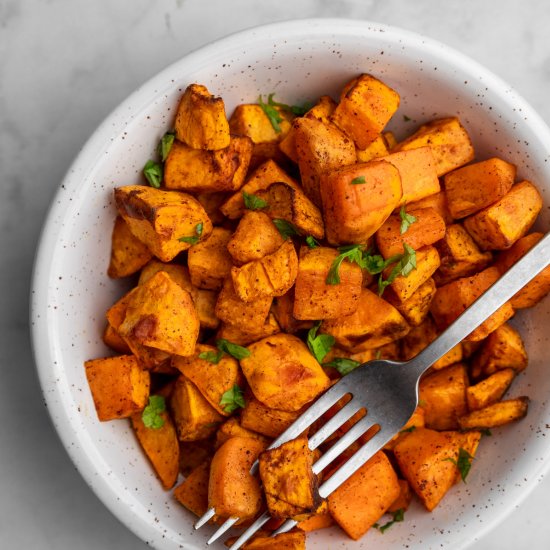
(452, 299)
(282, 373)
(249, 119)
(193, 415)
(366, 106)
(320, 520)
(255, 237)
(232, 428)
(283, 310)
(267, 421)
(114, 340)
(358, 199)
(245, 335)
(417, 420)
(497, 414)
(192, 492)
(288, 480)
(473, 187)
(451, 146)
(425, 459)
(160, 218)
(536, 289)
(427, 228)
(272, 275)
(291, 540)
(443, 397)
(403, 501)
(194, 453)
(161, 447)
(417, 168)
(437, 201)
(232, 490)
(161, 315)
(374, 150)
(313, 297)
(374, 323)
(211, 202)
(460, 256)
(119, 386)
(128, 253)
(291, 204)
(501, 224)
(415, 308)
(209, 261)
(200, 119)
(365, 496)
(263, 176)
(490, 390)
(320, 147)
(199, 171)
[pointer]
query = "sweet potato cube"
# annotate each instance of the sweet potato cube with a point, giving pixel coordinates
(200, 119)
(374, 150)
(358, 199)
(245, 335)
(490, 390)
(119, 386)
(437, 201)
(255, 237)
(320, 147)
(366, 106)
(288, 480)
(263, 176)
(193, 415)
(196, 170)
(403, 501)
(313, 297)
(460, 256)
(443, 397)
(128, 253)
(497, 414)
(451, 146)
(195, 453)
(417, 420)
(417, 168)
(453, 298)
(374, 323)
(209, 261)
(267, 421)
(502, 349)
(416, 308)
(192, 492)
(161, 315)
(113, 340)
(501, 224)
(160, 218)
(319, 520)
(365, 496)
(403, 287)
(272, 275)
(425, 459)
(283, 310)
(232, 428)
(212, 379)
(536, 289)
(161, 447)
(249, 119)
(282, 373)
(291, 204)
(428, 228)
(473, 187)
(291, 540)
(232, 490)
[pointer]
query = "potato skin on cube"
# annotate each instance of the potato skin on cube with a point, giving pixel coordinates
(353, 212)
(200, 119)
(497, 414)
(417, 307)
(366, 106)
(282, 373)
(160, 218)
(490, 390)
(119, 386)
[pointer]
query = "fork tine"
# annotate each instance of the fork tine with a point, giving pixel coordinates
(221, 530)
(264, 518)
(210, 513)
(286, 526)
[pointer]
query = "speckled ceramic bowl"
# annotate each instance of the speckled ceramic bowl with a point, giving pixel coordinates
(298, 61)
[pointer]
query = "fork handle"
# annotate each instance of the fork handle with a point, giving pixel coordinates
(497, 295)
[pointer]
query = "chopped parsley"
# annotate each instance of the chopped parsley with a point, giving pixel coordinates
(312, 242)
(252, 202)
(224, 347)
(195, 238)
(153, 173)
(151, 414)
(351, 253)
(211, 356)
(271, 112)
(319, 344)
(408, 430)
(463, 463)
(165, 145)
(343, 365)
(406, 220)
(232, 399)
(286, 229)
(358, 180)
(398, 515)
(298, 110)
(404, 266)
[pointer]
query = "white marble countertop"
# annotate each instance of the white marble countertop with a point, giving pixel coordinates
(64, 65)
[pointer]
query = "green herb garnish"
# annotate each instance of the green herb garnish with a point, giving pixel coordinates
(343, 365)
(351, 253)
(312, 242)
(165, 145)
(271, 112)
(408, 430)
(236, 351)
(232, 399)
(252, 202)
(358, 180)
(212, 356)
(319, 344)
(298, 110)
(150, 415)
(403, 267)
(406, 220)
(153, 173)
(486, 432)
(286, 229)
(398, 515)
(463, 463)
(195, 238)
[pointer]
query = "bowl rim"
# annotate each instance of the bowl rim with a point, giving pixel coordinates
(113, 124)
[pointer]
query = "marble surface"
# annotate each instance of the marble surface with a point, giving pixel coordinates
(64, 65)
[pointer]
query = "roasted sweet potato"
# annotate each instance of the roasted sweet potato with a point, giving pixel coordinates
(192, 492)
(415, 308)
(417, 420)
(313, 297)
(374, 150)
(200, 119)
(495, 415)
(119, 386)
(282, 373)
(194, 453)
(501, 224)
(291, 540)
(283, 311)
(267, 421)
(403, 501)
(114, 340)
(232, 428)
(243, 335)
(250, 120)
(358, 199)
(490, 390)
(437, 201)
(160, 219)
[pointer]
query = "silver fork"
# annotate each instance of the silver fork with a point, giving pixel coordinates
(388, 390)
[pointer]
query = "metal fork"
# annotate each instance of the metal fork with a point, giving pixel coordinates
(388, 390)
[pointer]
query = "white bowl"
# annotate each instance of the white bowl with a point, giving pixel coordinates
(297, 60)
